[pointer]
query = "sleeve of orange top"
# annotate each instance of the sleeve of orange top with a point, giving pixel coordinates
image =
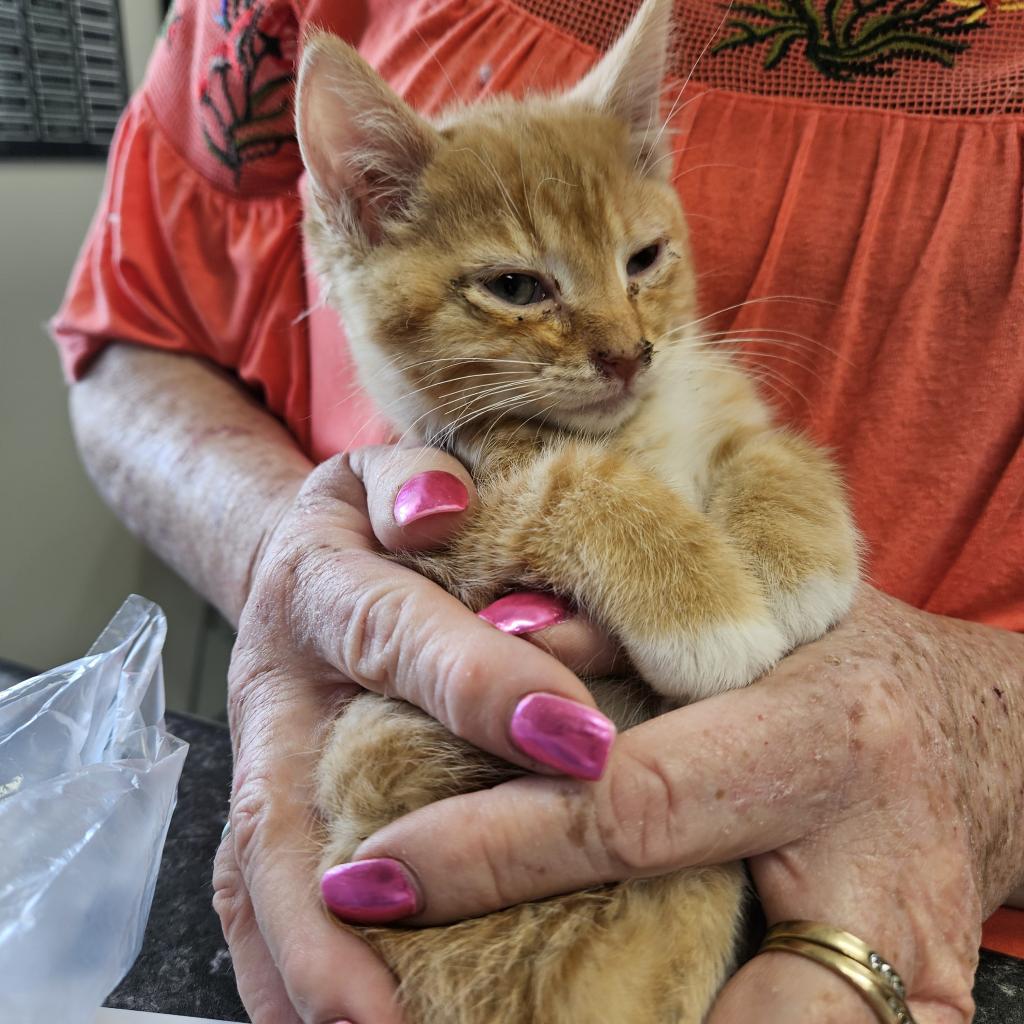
(196, 244)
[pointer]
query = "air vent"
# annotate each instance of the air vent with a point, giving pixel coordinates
(62, 77)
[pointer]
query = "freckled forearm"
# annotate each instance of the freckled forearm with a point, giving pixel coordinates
(978, 675)
(188, 461)
(990, 719)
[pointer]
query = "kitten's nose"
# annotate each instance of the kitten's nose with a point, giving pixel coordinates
(625, 367)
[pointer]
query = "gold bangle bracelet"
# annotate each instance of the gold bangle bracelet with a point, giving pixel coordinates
(842, 942)
(888, 1007)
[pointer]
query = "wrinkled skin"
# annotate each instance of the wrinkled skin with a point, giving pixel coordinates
(875, 779)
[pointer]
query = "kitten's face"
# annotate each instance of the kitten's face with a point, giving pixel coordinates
(539, 276)
(523, 259)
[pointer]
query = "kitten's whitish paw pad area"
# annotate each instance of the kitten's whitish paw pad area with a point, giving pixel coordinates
(696, 664)
(809, 611)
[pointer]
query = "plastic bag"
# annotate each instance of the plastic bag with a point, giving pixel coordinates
(88, 780)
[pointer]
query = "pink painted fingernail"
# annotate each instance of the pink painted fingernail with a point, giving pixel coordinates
(428, 494)
(562, 734)
(525, 613)
(370, 891)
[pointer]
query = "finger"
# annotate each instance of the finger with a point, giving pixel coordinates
(394, 632)
(259, 984)
(417, 498)
(327, 972)
(863, 875)
(787, 989)
(553, 625)
(390, 630)
(724, 779)
(581, 645)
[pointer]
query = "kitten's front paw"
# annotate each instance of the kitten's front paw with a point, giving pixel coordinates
(689, 665)
(808, 612)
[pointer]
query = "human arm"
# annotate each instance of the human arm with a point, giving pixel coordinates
(875, 781)
(189, 462)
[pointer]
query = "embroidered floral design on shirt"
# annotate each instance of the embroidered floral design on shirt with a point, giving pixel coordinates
(246, 94)
(844, 39)
(980, 10)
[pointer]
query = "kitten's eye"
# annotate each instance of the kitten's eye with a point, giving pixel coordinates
(517, 289)
(643, 259)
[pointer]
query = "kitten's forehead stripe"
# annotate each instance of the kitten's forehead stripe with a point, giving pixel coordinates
(547, 173)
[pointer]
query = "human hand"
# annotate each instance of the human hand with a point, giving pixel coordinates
(327, 614)
(875, 781)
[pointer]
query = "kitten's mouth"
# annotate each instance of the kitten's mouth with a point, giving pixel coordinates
(604, 405)
(613, 403)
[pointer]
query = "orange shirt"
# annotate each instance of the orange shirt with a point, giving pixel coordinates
(854, 183)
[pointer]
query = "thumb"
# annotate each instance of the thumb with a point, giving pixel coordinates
(785, 988)
(416, 498)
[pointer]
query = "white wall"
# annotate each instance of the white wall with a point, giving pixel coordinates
(65, 562)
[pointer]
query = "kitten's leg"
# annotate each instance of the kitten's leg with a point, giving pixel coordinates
(385, 758)
(592, 524)
(781, 503)
(652, 951)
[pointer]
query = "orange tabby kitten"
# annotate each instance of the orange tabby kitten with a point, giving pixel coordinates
(517, 288)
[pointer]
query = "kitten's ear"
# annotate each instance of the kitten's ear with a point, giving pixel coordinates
(627, 81)
(364, 147)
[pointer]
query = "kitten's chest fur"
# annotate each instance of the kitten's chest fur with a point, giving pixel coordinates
(690, 417)
(691, 414)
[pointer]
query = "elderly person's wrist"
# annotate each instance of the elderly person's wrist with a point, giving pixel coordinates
(978, 690)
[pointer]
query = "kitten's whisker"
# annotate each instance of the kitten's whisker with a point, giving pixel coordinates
(784, 343)
(541, 412)
(452, 380)
(672, 110)
(460, 407)
(506, 403)
(522, 181)
(434, 411)
(561, 181)
(771, 331)
(478, 359)
(436, 59)
(738, 345)
(749, 302)
(385, 409)
(765, 378)
(738, 338)
(706, 167)
(488, 392)
(760, 301)
(309, 311)
(750, 356)
(516, 216)
(753, 356)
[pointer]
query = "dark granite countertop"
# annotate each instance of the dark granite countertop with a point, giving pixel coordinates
(184, 967)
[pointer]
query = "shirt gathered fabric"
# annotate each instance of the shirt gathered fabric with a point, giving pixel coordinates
(856, 216)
